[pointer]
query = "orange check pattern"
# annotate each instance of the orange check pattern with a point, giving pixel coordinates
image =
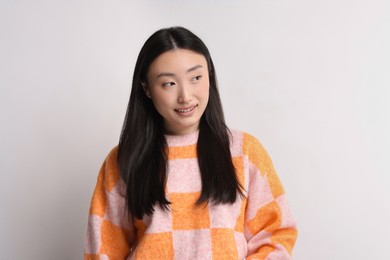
(258, 226)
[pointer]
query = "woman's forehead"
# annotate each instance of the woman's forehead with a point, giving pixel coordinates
(177, 61)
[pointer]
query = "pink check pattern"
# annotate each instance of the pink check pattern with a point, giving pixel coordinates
(258, 226)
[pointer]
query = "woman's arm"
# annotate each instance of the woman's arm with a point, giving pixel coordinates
(270, 228)
(110, 231)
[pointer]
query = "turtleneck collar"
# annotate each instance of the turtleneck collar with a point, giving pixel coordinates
(182, 140)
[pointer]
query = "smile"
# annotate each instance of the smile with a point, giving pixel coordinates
(186, 110)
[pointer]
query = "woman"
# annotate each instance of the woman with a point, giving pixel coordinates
(180, 184)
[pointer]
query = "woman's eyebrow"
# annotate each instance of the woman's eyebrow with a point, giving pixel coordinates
(194, 68)
(165, 74)
(169, 74)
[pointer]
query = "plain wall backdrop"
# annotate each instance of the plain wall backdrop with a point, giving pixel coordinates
(310, 79)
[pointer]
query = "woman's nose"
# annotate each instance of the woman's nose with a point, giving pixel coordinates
(184, 95)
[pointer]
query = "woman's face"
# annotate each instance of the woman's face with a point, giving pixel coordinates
(178, 84)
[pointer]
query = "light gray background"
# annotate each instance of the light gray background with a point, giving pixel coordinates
(309, 78)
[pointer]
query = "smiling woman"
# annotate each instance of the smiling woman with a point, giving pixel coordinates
(180, 184)
(178, 85)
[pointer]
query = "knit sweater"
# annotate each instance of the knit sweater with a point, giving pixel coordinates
(257, 226)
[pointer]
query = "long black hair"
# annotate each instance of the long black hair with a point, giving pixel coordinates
(142, 158)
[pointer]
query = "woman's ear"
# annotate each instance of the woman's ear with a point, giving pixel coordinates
(146, 89)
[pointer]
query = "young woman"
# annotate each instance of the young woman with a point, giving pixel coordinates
(180, 184)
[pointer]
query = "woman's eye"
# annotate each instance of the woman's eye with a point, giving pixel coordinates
(169, 84)
(196, 78)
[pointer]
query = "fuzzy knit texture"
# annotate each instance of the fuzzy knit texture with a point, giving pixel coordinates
(257, 226)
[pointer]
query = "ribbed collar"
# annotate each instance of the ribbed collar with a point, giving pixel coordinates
(182, 140)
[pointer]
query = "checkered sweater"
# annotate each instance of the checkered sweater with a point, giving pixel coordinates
(258, 226)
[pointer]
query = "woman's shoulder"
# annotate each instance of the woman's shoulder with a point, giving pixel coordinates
(244, 137)
(113, 154)
(247, 142)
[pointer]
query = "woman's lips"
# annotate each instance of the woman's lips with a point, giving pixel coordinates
(186, 109)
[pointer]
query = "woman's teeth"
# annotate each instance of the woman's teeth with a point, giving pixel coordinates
(185, 110)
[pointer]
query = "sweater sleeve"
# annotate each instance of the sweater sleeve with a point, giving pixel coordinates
(110, 231)
(269, 226)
